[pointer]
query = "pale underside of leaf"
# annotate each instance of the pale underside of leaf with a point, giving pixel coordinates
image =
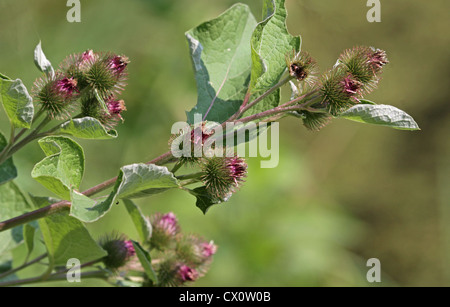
(382, 115)
(221, 56)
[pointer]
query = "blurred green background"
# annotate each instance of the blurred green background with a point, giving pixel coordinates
(338, 197)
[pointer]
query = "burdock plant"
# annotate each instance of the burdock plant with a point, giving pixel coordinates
(240, 67)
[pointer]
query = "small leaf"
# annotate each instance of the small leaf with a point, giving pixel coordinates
(63, 167)
(204, 199)
(383, 115)
(142, 224)
(87, 128)
(146, 261)
(138, 180)
(365, 101)
(4, 77)
(7, 169)
(17, 102)
(41, 61)
(12, 204)
(65, 237)
(221, 55)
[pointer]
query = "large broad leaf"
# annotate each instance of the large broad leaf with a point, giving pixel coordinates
(135, 180)
(65, 237)
(17, 102)
(221, 55)
(12, 204)
(87, 128)
(41, 61)
(142, 224)
(270, 43)
(7, 169)
(382, 115)
(63, 168)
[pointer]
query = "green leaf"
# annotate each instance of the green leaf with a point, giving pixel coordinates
(221, 56)
(135, 180)
(41, 61)
(28, 235)
(63, 167)
(87, 128)
(4, 77)
(142, 224)
(365, 101)
(146, 261)
(382, 115)
(270, 43)
(139, 180)
(17, 102)
(204, 199)
(7, 169)
(12, 204)
(89, 210)
(65, 237)
(6, 264)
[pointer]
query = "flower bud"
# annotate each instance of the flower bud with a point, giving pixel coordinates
(56, 94)
(208, 249)
(106, 73)
(339, 90)
(110, 118)
(315, 121)
(187, 273)
(174, 273)
(165, 228)
(365, 65)
(223, 175)
(301, 66)
(195, 138)
(119, 251)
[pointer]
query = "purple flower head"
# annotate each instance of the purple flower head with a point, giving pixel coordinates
(351, 86)
(187, 274)
(118, 64)
(208, 249)
(223, 175)
(166, 224)
(199, 135)
(130, 248)
(116, 106)
(88, 55)
(378, 59)
(237, 168)
(67, 86)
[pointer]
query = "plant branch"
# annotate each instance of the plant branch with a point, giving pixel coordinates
(23, 266)
(246, 107)
(65, 205)
(53, 277)
(32, 136)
